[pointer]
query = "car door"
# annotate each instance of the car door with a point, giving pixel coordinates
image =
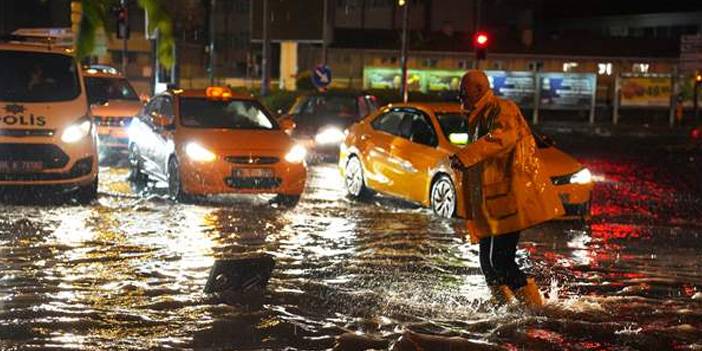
(146, 136)
(415, 155)
(376, 142)
(163, 136)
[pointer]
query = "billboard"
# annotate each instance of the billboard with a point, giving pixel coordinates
(516, 86)
(645, 91)
(391, 78)
(567, 91)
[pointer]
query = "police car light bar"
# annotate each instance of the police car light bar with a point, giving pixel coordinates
(59, 37)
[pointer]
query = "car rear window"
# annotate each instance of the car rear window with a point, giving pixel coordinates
(230, 114)
(38, 77)
(100, 88)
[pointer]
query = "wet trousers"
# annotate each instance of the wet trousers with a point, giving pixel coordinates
(497, 261)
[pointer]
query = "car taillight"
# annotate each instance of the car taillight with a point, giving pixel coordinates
(696, 133)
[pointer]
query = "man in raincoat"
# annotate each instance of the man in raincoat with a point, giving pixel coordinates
(505, 188)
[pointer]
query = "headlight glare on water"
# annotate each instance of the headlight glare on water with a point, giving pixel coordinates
(330, 135)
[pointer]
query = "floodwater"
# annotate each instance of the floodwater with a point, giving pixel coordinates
(128, 272)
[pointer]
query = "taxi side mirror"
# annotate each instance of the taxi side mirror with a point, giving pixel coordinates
(287, 124)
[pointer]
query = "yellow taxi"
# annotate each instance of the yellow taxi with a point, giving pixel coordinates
(47, 137)
(402, 150)
(114, 103)
(213, 141)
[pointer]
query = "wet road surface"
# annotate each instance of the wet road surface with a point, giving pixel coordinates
(128, 272)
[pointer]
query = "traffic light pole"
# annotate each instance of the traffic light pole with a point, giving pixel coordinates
(213, 3)
(266, 52)
(325, 33)
(125, 59)
(403, 57)
(695, 102)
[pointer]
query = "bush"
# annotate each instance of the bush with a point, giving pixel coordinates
(303, 81)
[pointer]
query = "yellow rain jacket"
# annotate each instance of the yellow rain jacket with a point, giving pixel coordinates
(505, 187)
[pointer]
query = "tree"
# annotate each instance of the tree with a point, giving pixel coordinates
(94, 17)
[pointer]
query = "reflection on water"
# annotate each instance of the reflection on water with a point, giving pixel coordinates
(129, 273)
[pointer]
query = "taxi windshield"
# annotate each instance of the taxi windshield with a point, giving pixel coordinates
(455, 126)
(37, 77)
(229, 114)
(109, 89)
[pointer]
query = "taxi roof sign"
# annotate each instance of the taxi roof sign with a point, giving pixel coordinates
(218, 93)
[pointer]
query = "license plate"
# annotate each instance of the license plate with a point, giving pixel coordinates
(20, 166)
(252, 173)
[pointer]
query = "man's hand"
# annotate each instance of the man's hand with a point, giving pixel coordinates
(456, 163)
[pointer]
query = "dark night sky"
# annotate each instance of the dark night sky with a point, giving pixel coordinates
(584, 8)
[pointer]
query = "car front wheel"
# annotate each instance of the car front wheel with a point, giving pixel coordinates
(443, 197)
(87, 193)
(136, 171)
(175, 185)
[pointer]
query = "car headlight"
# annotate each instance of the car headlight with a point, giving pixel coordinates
(330, 135)
(297, 154)
(77, 131)
(583, 176)
(198, 153)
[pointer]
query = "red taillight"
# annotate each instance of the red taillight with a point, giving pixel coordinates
(696, 133)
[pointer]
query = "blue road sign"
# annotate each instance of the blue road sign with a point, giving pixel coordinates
(322, 76)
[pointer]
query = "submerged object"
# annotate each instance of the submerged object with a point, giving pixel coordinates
(240, 274)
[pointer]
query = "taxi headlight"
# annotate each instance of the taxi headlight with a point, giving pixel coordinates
(198, 153)
(297, 154)
(77, 131)
(330, 135)
(581, 177)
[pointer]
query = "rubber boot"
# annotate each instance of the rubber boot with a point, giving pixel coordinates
(502, 295)
(529, 295)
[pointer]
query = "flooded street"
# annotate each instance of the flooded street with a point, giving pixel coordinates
(128, 272)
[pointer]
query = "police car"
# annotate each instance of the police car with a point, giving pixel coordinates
(47, 137)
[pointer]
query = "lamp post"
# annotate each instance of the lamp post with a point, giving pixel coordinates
(403, 54)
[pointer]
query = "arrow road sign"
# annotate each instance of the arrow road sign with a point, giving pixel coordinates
(321, 76)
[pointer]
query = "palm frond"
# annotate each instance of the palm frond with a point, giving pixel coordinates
(160, 20)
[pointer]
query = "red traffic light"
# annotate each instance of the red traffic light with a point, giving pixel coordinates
(481, 39)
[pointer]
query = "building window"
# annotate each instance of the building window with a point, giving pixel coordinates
(379, 3)
(430, 62)
(570, 66)
(389, 60)
(535, 65)
(640, 67)
(604, 68)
